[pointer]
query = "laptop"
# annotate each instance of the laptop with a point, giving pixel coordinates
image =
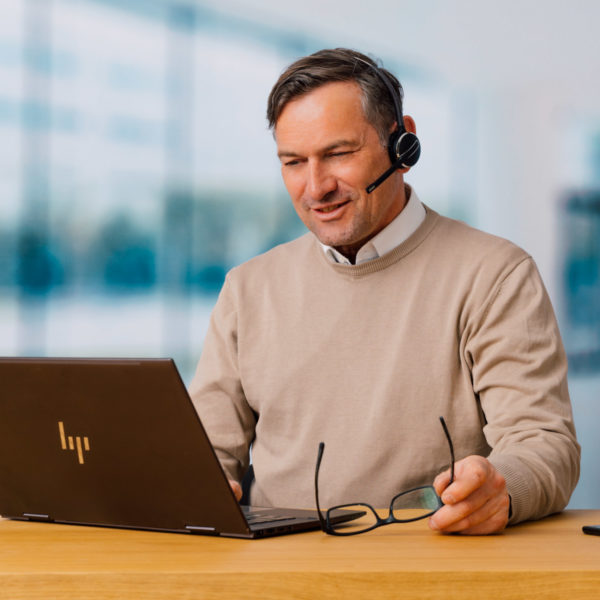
(118, 443)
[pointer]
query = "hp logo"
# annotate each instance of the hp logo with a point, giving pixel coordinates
(67, 442)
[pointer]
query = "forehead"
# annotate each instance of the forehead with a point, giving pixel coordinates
(332, 109)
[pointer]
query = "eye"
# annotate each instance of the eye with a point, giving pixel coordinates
(341, 153)
(291, 162)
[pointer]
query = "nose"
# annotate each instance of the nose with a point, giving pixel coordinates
(320, 181)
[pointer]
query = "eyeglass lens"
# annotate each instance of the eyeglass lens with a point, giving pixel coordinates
(410, 506)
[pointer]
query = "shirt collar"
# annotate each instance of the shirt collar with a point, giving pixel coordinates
(391, 236)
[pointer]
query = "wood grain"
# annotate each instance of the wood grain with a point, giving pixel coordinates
(551, 558)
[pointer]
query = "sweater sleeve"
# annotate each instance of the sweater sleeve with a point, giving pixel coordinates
(217, 391)
(519, 371)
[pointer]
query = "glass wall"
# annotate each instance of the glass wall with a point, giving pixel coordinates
(136, 168)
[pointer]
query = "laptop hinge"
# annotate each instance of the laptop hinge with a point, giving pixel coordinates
(202, 530)
(37, 517)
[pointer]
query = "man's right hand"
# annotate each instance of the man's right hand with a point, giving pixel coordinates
(237, 489)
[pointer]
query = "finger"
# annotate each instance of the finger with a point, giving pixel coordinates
(450, 514)
(236, 488)
(487, 500)
(470, 474)
(494, 524)
(440, 483)
(491, 517)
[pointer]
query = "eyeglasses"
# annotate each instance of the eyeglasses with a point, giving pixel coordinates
(411, 505)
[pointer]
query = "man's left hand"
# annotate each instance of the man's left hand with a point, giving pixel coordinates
(476, 502)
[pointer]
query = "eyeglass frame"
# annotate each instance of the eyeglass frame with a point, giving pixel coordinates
(325, 521)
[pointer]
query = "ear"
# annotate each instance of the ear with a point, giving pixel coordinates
(409, 124)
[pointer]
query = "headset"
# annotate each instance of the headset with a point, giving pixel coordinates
(403, 146)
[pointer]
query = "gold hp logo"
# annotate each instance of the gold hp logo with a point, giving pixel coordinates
(68, 443)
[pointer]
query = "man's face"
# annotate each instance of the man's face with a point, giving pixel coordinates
(329, 153)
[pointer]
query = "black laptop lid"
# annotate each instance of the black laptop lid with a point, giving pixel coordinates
(95, 442)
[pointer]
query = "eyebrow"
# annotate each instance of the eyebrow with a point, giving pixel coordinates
(329, 148)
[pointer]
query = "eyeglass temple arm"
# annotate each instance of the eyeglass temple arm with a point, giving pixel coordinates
(319, 457)
(451, 445)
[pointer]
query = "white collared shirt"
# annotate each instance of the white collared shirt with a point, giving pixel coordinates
(399, 230)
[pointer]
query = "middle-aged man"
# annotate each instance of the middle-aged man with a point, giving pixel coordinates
(384, 317)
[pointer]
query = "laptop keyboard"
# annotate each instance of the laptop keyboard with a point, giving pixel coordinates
(255, 517)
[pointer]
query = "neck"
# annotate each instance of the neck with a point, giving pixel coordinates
(350, 252)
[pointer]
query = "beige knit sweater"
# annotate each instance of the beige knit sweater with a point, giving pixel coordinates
(453, 322)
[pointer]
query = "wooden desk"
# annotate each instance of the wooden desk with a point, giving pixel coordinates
(546, 559)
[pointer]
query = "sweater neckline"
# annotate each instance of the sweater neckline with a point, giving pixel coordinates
(388, 259)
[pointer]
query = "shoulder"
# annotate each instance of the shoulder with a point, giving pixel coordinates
(470, 246)
(459, 259)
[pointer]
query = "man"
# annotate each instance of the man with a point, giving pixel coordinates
(384, 317)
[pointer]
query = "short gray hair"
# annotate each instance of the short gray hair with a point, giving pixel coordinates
(339, 64)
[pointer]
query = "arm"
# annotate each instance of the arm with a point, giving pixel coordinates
(218, 394)
(519, 371)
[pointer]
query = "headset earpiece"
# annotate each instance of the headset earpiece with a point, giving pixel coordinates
(404, 148)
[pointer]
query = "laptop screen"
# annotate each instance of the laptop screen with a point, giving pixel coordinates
(108, 442)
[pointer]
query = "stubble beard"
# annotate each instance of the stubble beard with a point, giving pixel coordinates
(347, 238)
(334, 233)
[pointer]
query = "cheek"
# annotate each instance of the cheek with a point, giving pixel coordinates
(294, 184)
(358, 176)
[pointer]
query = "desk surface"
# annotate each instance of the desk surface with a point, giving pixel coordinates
(551, 558)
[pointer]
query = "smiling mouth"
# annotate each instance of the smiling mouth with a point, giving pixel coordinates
(331, 207)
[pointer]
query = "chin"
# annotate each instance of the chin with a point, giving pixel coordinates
(330, 238)
(328, 241)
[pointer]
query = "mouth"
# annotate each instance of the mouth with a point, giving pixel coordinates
(330, 208)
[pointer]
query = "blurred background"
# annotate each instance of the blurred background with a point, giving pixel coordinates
(136, 166)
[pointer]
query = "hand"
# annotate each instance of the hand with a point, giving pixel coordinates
(237, 489)
(476, 503)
